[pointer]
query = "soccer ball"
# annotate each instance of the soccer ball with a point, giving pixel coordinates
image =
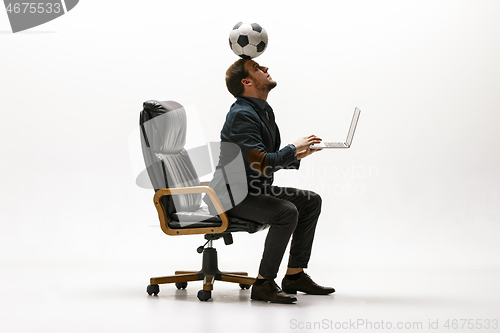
(248, 40)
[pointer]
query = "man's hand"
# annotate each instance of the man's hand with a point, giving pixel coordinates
(304, 143)
(307, 152)
(302, 146)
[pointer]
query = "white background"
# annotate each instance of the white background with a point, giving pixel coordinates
(419, 187)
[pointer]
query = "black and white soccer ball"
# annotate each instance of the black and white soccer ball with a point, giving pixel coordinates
(248, 40)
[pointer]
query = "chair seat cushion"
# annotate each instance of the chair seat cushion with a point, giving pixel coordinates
(203, 219)
(202, 214)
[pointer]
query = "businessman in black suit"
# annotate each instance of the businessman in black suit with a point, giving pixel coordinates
(251, 125)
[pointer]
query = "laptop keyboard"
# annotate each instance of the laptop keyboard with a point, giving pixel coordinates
(334, 144)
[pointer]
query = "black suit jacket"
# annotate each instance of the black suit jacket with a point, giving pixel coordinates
(258, 138)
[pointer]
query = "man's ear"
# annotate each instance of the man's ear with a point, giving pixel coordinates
(246, 82)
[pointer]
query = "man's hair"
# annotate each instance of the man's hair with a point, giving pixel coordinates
(234, 74)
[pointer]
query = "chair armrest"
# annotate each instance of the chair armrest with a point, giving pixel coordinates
(162, 214)
(205, 183)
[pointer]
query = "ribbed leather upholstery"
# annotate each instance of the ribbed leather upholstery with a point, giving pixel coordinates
(167, 133)
(181, 173)
(164, 127)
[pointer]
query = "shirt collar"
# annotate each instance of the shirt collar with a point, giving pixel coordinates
(259, 103)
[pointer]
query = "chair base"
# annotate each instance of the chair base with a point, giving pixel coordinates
(209, 273)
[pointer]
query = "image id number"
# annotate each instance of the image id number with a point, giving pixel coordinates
(471, 324)
(33, 8)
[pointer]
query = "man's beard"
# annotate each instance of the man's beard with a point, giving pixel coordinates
(265, 87)
(271, 85)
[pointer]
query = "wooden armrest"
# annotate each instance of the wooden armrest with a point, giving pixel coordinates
(162, 214)
(205, 183)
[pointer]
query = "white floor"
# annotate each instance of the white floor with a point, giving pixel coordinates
(89, 297)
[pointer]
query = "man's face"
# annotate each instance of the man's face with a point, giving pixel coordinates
(260, 77)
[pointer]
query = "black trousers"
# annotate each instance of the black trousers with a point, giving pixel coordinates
(289, 211)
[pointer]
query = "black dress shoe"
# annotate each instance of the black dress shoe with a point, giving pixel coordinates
(270, 292)
(305, 284)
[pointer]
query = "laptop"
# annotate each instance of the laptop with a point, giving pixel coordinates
(350, 135)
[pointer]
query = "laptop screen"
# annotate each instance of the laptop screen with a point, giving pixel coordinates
(354, 122)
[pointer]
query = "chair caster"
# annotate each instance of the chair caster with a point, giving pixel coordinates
(204, 295)
(244, 286)
(181, 285)
(153, 289)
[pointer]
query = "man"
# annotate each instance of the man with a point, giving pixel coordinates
(251, 125)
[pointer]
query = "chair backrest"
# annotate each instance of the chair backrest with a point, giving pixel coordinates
(163, 136)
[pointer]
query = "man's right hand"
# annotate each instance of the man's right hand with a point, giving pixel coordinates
(304, 143)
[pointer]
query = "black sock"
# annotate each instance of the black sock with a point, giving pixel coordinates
(259, 282)
(294, 276)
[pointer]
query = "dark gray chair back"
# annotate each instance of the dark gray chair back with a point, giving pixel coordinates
(163, 136)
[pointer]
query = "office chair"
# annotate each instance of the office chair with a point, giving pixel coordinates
(178, 196)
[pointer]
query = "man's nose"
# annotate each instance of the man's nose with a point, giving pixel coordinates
(264, 69)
